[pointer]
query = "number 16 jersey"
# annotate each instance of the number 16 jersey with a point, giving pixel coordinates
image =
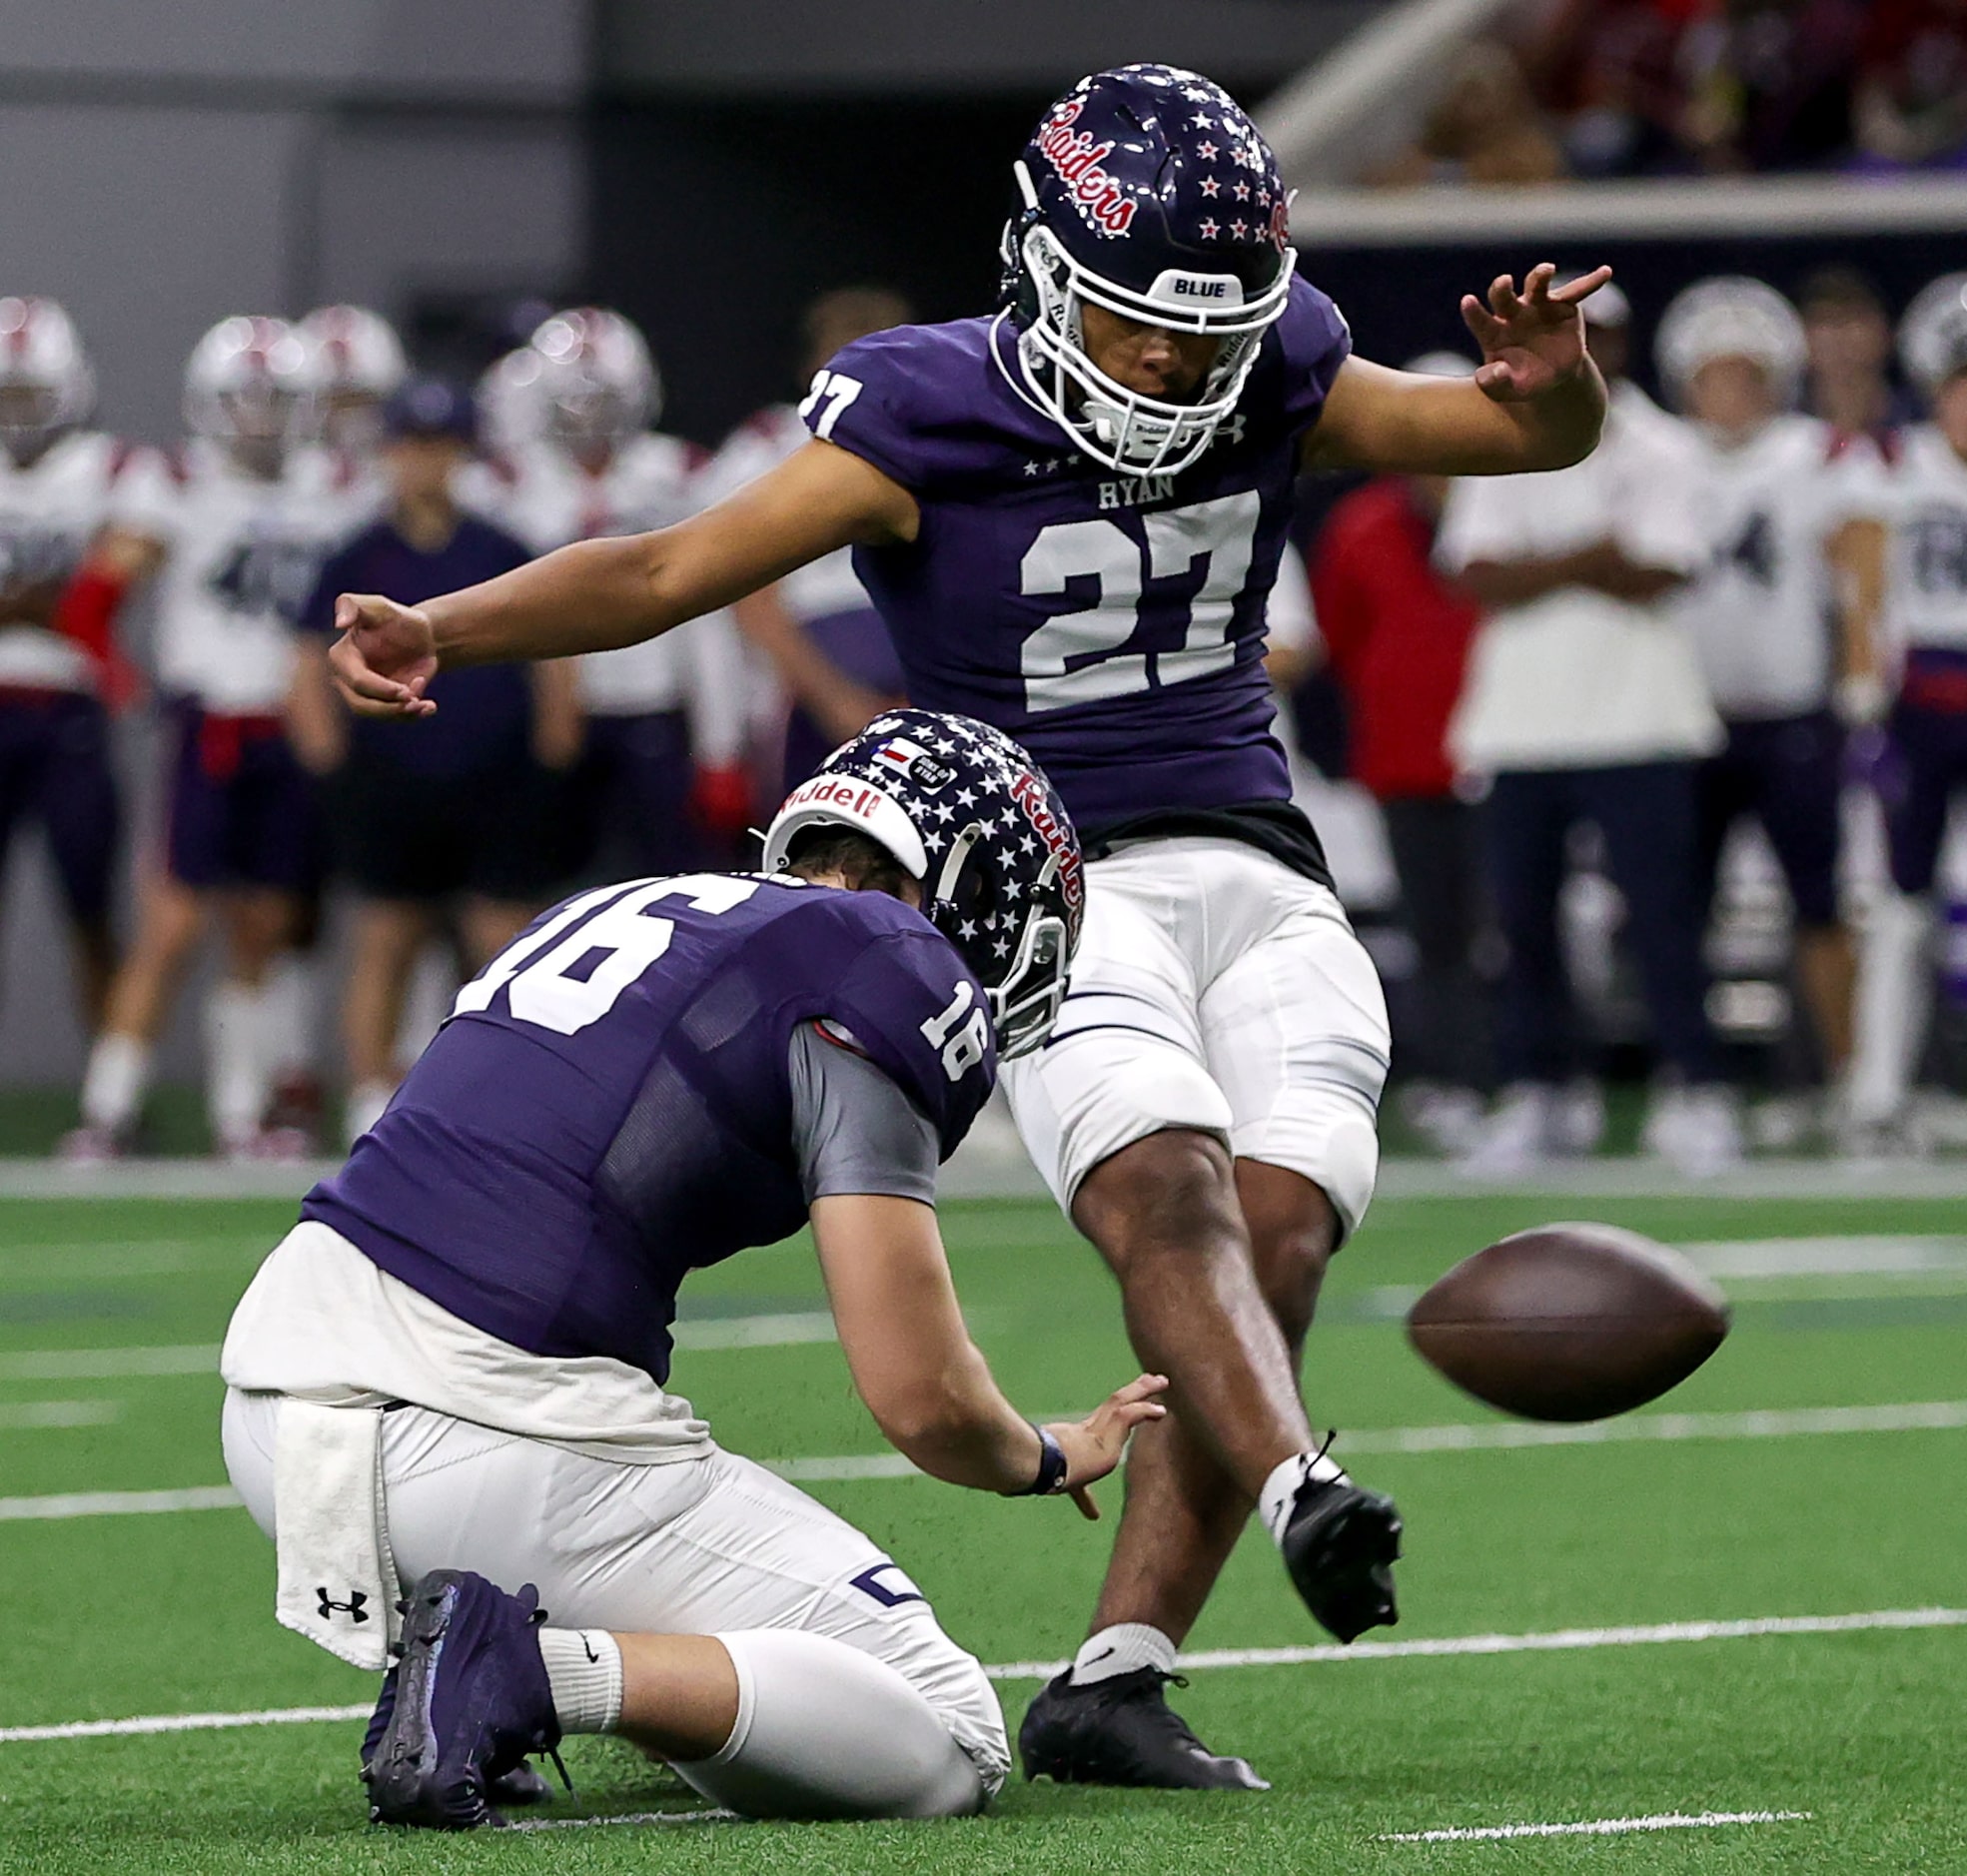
(1113, 623)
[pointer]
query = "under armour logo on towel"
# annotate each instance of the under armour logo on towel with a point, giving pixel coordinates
(351, 1608)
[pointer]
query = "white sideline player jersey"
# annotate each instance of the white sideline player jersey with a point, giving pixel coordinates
(244, 553)
(49, 513)
(824, 587)
(1922, 497)
(652, 481)
(1761, 610)
(1579, 679)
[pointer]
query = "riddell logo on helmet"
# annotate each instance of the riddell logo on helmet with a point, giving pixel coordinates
(1027, 794)
(854, 798)
(1078, 161)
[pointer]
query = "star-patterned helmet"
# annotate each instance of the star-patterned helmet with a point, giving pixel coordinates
(1148, 192)
(967, 812)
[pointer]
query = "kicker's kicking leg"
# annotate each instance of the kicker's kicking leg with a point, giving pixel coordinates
(1220, 1270)
(1184, 1510)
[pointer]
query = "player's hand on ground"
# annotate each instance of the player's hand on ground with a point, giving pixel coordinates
(1095, 1446)
(385, 655)
(1534, 339)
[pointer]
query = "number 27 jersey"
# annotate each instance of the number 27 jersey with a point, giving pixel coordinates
(1114, 624)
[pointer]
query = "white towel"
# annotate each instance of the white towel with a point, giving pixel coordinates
(337, 1580)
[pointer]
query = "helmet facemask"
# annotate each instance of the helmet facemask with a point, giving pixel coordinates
(967, 816)
(1023, 967)
(1125, 429)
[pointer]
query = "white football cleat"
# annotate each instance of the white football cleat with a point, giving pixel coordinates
(1696, 1131)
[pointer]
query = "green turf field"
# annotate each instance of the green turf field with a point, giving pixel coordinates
(117, 1616)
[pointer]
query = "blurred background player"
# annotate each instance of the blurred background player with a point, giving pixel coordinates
(826, 643)
(357, 362)
(662, 786)
(1921, 501)
(1398, 632)
(1847, 335)
(1731, 354)
(246, 524)
(358, 365)
(1585, 704)
(463, 818)
(75, 534)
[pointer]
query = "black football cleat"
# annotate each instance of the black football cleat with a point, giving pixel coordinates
(468, 1702)
(1122, 1731)
(1339, 1545)
(520, 1786)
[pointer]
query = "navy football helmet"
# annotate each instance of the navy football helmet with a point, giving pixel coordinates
(968, 813)
(1146, 191)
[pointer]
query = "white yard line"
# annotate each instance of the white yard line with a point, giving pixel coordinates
(1601, 1827)
(980, 1172)
(109, 1364)
(1455, 1436)
(119, 1504)
(1558, 1641)
(20, 1417)
(625, 1817)
(1900, 1255)
(784, 1331)
(1562, 1639)
(186, 1722)
(1500, 1436)
(1649, 1179)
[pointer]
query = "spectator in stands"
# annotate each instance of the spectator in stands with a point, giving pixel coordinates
(459, 813)
(1584, 704)
(1486, 128)
(1847, 335)
(1398, 635)
(826, 643)
(1770, 84)
(1912, 83)
(1611, 71)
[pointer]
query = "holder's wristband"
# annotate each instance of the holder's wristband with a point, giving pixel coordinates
(1051, 1467)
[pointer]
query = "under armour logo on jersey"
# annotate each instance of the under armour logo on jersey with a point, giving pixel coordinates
(351, 1608)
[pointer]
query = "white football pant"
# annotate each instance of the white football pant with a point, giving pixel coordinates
(1213, 989)
(852, 1700)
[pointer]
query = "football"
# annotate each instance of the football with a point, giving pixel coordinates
(1569, 1323)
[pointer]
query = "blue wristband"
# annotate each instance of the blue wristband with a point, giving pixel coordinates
(1051, 1467)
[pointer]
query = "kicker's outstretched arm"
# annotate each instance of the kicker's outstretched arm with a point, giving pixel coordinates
(597, 594)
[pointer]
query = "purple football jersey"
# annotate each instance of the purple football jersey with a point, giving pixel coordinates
(1113, 625)
(609, 1105)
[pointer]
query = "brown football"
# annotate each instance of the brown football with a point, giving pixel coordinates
(1569, 1322)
